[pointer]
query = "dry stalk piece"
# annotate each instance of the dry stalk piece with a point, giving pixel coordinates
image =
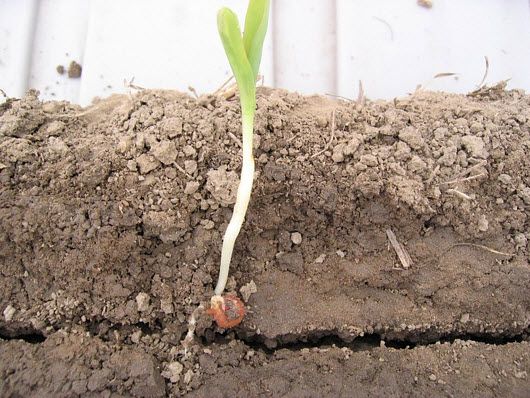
(229, 93)
(483, 81)
(235, 139)
(339, 97)
(487, 91)
(421, 87)
(221, 88)
(461, 177)
(444, 74)
(193, 91)
(130, 84)
(483, 247)
(425, 3)
(461, 195)
(179, 168)
(387, 25)
(361, 99)
(402, 254)
(459, 180)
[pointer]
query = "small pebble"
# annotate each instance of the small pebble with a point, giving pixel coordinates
(432, 377)
(146, 163)
(247, 290)
(320, 259)
(136, 336)
(188, 376)
(520, 375)
(189, 150)
(131, 165)
(520, 239)
(208, 224)
(166, 306)
(338, 153)
(9, 312)
(173, 372)
(142, 301)
(505, 178)
(191, 187)
(483, 224)
(296, 238)
(190, 166)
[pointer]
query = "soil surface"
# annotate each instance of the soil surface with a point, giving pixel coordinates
(385, 251)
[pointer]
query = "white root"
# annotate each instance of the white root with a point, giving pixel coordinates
(240, 208)
(192, 324)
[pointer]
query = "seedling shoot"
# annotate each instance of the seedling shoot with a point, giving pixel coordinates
(244, 55)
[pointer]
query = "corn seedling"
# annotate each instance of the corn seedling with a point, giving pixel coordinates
(244, 55)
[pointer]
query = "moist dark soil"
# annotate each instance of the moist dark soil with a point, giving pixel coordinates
(385, 251)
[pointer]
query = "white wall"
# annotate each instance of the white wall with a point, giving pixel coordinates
(313, 46)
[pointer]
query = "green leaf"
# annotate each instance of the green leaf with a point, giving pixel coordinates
(256, 23)
(232, 39)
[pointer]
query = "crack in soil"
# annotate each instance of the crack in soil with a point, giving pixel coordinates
(363, 343)
(22, 332)
(104, 330)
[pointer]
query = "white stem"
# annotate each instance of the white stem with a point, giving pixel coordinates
(240, 208)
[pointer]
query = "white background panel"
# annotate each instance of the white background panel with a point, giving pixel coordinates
(172, 45)
(60, 36)
(392, 46)
(314, 46)
(17, 21)
(305, 46)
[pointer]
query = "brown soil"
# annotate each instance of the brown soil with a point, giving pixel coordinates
(74, 70)
(111, 220)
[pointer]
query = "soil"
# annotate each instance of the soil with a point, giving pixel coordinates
(111, 221)
(74, 70)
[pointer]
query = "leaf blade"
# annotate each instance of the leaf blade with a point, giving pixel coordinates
(230, 33)
(256, 24)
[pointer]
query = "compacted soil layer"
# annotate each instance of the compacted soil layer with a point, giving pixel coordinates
(385, 251)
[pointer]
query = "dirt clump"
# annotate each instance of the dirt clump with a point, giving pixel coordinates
(111, 222)
(74, 70)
